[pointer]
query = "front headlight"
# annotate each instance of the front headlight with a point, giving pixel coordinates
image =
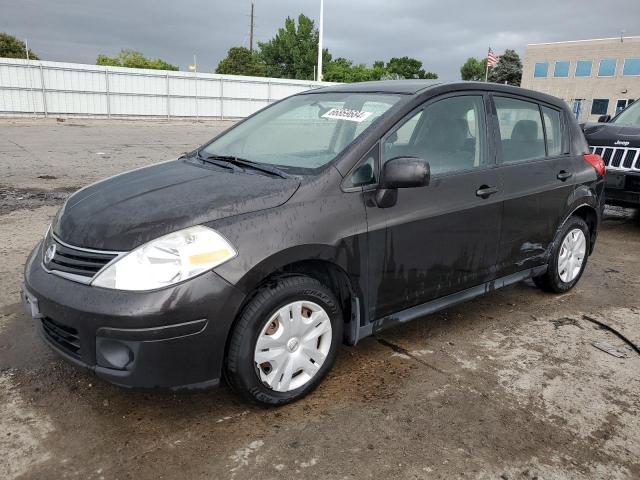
(167, 260)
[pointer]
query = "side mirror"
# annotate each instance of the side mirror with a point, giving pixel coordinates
(405, 172)
(604, 118)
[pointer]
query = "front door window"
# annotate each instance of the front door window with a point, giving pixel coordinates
(449, 134)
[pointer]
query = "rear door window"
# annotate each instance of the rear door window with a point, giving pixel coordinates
(521, 131)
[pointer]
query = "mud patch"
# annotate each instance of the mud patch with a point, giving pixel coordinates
(15, 199)
(242, 456)
(571, 383)
(22, 431)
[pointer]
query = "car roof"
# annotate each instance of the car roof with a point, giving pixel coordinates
(407, 87)
(414, 87)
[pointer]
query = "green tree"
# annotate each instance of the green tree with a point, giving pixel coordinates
(378, 71)
(508, 69)
(241, 61)
(343, 70)
(408, 68)
(292, 53)
(11, 47)
(133, 59)
(473, 69)
(108, 61)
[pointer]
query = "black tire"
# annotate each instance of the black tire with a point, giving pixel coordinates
(240, 369)
(551, 281)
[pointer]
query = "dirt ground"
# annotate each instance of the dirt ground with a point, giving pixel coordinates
(508, 386)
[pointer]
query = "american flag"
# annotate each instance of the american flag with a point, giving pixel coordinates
(492, 58)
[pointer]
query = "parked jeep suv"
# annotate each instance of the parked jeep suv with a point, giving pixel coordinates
(617, 140)
(324, 218)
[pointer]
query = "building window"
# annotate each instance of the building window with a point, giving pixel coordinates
(541, 70)
(583, 68)
(599, 106)
(607, 67)
(561, 69)
(631, 66)
(622, 104)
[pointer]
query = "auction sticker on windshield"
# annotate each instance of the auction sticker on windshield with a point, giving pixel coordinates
(346, 114)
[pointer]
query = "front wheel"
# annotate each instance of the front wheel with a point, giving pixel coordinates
(285, 341)
(568, 257)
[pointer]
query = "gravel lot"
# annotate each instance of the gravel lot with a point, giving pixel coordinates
(507, 386)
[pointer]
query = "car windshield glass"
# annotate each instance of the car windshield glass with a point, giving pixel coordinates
(303, 132)
(630, 116)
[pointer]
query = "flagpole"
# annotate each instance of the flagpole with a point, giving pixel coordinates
(319, 72)
(486, 73)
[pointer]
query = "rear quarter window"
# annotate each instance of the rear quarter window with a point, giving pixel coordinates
(553, 129)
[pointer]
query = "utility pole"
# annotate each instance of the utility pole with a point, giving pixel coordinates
(251, 29)
(320, 41)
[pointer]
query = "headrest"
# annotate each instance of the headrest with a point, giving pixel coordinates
(448, 133)
(525, 130)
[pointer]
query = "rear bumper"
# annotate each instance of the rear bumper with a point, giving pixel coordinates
(171, 338)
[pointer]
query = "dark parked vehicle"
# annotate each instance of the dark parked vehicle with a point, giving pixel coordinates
(617, 140)
(324, 218)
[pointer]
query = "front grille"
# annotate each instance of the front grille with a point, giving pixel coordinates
(65, 337)
(73, 262)
(619, 158)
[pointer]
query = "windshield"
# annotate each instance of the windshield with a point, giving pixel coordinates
(303, 132)
(630, 116)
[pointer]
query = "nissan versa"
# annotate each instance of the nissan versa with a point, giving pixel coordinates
(322, 219)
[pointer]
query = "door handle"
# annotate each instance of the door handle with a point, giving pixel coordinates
(564, 175)
(486, 191)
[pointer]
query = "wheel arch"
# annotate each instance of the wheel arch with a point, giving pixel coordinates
(589, 214)
(321, 266)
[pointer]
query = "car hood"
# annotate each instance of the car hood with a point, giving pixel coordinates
(125, 211)
(610, 134)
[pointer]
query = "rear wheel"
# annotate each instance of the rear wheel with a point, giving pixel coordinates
(285, 341)
(568, 257)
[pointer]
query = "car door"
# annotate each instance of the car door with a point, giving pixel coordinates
(441, 238)
(537, 176)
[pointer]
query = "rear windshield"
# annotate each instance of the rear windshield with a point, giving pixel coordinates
(303, 132)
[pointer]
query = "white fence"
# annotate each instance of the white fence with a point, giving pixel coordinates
(70, 89)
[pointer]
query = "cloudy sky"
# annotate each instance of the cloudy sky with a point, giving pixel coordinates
(441, 33)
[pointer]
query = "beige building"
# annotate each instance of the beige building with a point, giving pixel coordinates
(596, 77)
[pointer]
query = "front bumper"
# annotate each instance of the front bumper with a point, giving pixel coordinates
(169, 338)
(623, 189)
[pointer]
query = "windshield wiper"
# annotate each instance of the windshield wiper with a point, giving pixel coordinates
(219, 163)
(242, 162)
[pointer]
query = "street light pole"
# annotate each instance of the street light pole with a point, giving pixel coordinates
(320, 41)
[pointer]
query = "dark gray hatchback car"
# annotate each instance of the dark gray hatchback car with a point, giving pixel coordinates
(322, 219)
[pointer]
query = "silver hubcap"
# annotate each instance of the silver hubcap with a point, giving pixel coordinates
(572, 254)
(292, 346)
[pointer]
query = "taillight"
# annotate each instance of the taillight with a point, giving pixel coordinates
(596, 162)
